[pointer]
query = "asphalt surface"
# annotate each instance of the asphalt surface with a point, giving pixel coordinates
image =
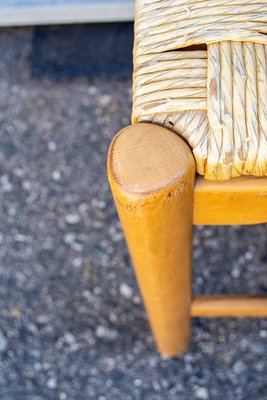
(72, 326)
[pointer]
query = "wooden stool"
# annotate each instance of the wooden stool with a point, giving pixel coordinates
(200, 70)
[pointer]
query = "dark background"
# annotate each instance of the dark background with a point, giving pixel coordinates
(83, 50)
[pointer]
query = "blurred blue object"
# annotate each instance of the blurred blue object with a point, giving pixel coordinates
(91, 50)
(43, 12)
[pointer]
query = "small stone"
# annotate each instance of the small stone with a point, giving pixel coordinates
(258, 347)
(15, 313)
(6, 185)
(42, 319)
(248, 256)
(56, 176)
(3, 342)
(32, 328)
(72, 219)
(83, 208)
(77, 246)
(12, 211)
(235, 273)
(98, 204)
(52, 146)
(26, 185)
(102, 332)
(77, 262)
(70, 238)
(37, 366)
(126, 291)
(201, 393)
(101, 204)
(46, 366)
(97, 291)
(21, 238)
(260, 366)
(137, 300)
(18, 172)
(238, 367)
(51, 383)
(105, 100)
(92, 90)
(69, 338)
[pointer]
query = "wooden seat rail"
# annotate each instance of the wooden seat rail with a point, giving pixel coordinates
(239, 201)
(229, 306)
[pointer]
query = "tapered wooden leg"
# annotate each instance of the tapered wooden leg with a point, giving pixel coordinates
(151, 172)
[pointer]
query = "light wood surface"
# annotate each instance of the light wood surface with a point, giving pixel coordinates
(241, 200)
(229, 306)
(151, 173)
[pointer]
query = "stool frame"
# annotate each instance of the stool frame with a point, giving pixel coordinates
(159, 198)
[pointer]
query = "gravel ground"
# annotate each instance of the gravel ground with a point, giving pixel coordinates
(72, 326)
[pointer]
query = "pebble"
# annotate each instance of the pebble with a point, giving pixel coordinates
(52, 146)
(126, 291)
(3, 342)
(26, 185)
(6, 185)
(102, 332)
(32, 328)
(258, 347)
(238, 367)
(12, 211)
(18, 172)
(72, 219)
(56, 176)
(15, 313)
(69, 338)
(51, 383)
(43, 319)
(77, 246)
(235, 273)
(201, 393)
(77, 262)
(104, 100)
(70, 238)
(92, 90)
(21, 238)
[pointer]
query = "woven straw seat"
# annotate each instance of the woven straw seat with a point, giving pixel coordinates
(200, 69)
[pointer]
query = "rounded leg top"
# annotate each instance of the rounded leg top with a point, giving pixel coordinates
(144, 158)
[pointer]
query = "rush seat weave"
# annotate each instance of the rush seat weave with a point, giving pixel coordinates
(200, 69)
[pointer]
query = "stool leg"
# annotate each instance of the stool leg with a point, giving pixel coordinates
(151, 172)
